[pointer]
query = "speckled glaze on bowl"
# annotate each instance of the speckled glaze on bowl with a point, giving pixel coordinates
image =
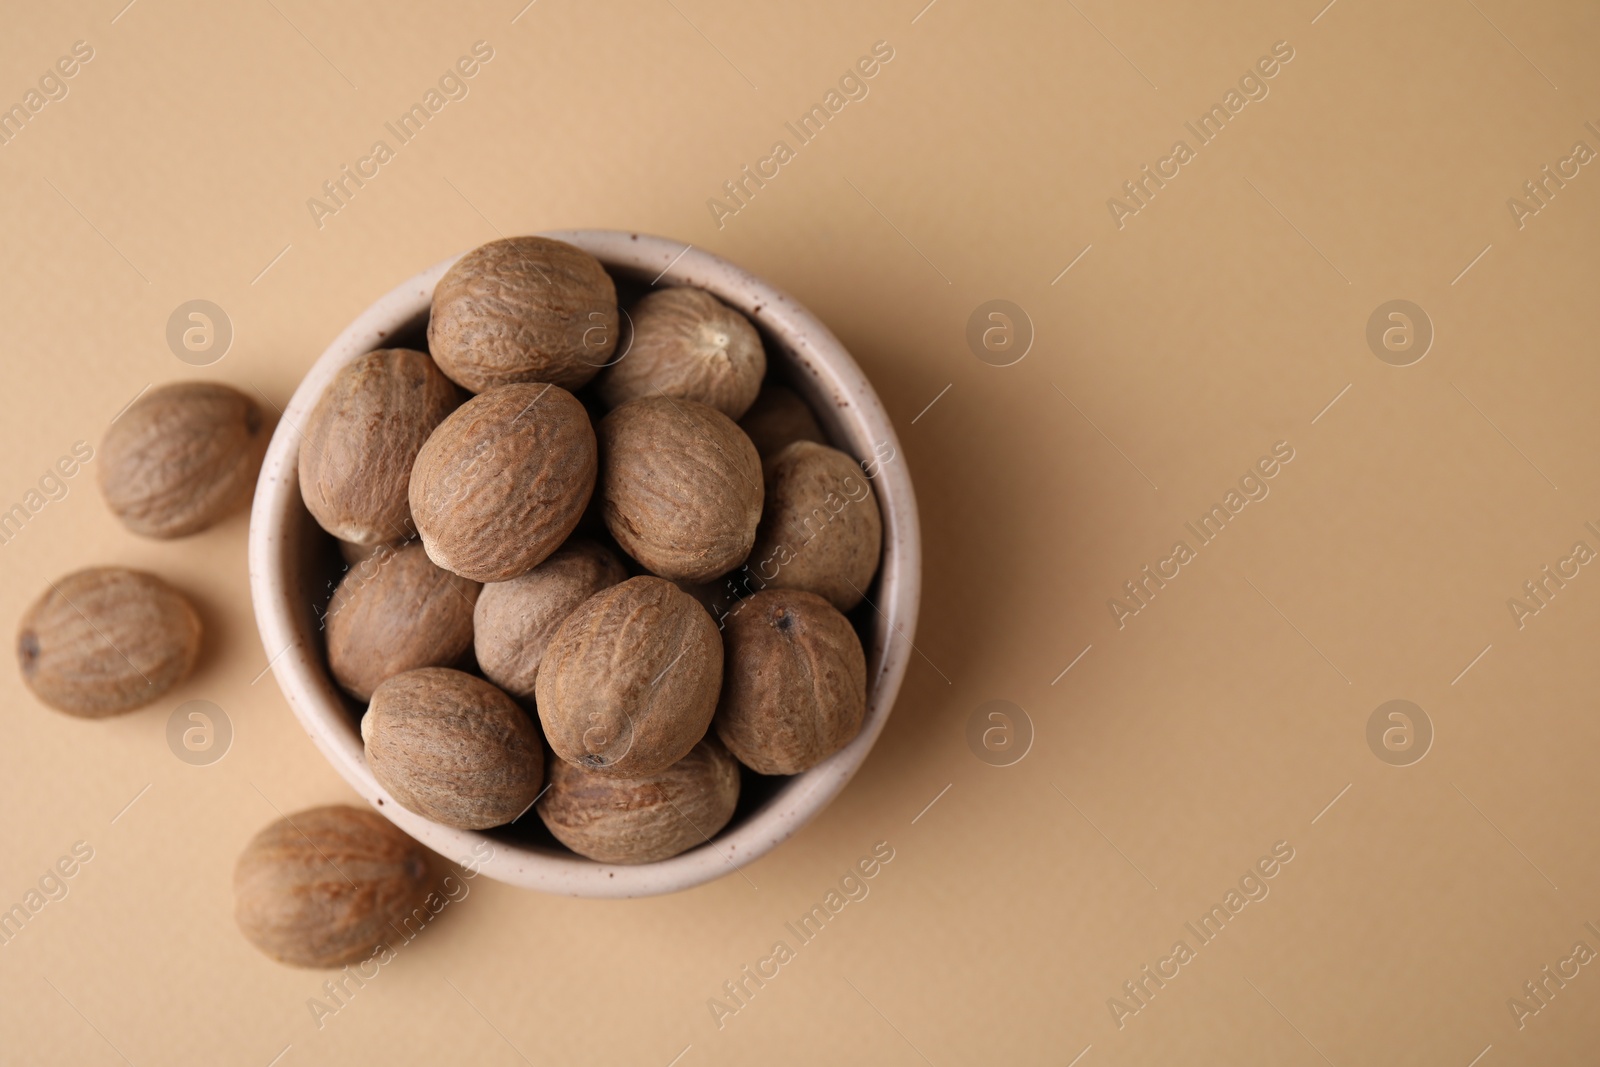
(282, 578)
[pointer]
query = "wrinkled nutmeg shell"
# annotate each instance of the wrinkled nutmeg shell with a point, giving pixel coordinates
(689, 345)
(504, 480)
(453, 748)
(181, 458)
(362, 438)
(779, 418)
(629, 682)
(107, 640)
(514, 620)
(680, 487)
(394, 612)
(523, 309)
(795, 688)
(326, 887)
(820, 527)
(644, 819)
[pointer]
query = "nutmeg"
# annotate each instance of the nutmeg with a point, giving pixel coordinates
(327, 887)
(643, 819)
(107, 640)
(779, 418)
(181, 457)
(795, 688)
(395, 612)
(504, 480)
(363, 435)
(515, 619)
(820, 527)
(680, 487)
(689, 345)
(629, 683)
(523, 309)
(453, 748)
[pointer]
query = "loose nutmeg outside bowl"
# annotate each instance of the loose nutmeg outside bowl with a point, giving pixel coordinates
(293, 567)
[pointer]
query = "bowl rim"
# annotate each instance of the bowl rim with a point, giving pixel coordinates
(819, 367)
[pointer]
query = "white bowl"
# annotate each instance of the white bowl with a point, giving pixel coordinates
(287, 579)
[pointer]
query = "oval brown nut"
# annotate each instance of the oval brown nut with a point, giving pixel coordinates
(395, 612)
(515, 620)
(690, 345)
(363, 436)
(504, 480)
(629, 682)
(680, 487)
(795, 690)
(107, 640)
(642, 820)
(181, 458)
(820, 530)
(523, 309)
(327, 887)
(779, 418)
(453, 748)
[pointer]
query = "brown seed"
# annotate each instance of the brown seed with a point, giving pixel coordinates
(645, 819)
(779, 418)
(629, 682)
(680, 487)
(504, 480)
(395, 612)
(362, 438)
(181, 458)
(453, 748)
(354, 554)
(795, 689)
(326, 887)
(107, 640)
(820, 530)
(523, 309)
(689, 345)
(515, 619)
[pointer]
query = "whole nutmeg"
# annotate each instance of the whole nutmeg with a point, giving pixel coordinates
(779, 418)
(181, 457)
(523, 309)
(362, 437)
(629, 682)
(453, 748)
(107, 640)
(394, 612)
(680, 487)
(327, 887)
(644, 819)
(690, 345)
(820, 527)
(514, 620)
(795, 688)
(504, 480)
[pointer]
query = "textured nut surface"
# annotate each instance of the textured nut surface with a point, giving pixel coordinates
(181, 458)
(795, 688)
(107, 640)
(680, 487)
(362, 438)
(515, 620)
(394, 612)
(629, 682)
(453, 748)
(523, 309)
(690, 345)
(644, 819)
(504, 480)
(779, 418)
(820, 530)
(321, 888)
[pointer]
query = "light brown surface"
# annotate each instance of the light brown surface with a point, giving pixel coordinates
(1223, 318)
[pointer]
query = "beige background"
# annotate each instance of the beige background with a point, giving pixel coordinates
(1223, 318)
